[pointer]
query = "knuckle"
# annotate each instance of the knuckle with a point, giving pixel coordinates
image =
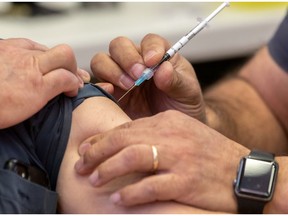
(126, 125)
(121, 136)
(127, 196)
(191, 182)
(116, 138)
(90, 155)
(131, 154)
(105, 171)
(151, 191)
(32, 44)
(93, 140)
(115, 141)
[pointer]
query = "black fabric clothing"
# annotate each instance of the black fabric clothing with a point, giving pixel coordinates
(39, 141)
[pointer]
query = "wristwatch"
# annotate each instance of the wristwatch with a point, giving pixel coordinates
(255, 181)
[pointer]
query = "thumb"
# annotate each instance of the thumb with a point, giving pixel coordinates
(61, 56)
(59, 81)
(177, 79)
(171, 82)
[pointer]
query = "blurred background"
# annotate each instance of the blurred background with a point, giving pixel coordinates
(88, 27)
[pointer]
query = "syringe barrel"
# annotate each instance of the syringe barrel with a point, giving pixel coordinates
(196, 30)
(177, 46)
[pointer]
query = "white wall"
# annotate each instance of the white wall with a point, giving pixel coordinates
(236, 31)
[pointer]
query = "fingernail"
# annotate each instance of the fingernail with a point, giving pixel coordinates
(137, 69)
(83, 148)
(81, 83)
(126, 81)
(149, 55)
(94, 178)
(115, 198)
(84, 75)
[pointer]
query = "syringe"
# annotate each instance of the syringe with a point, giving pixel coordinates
(149, 72)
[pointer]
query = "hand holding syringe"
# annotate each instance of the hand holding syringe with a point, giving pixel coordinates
(149, 72)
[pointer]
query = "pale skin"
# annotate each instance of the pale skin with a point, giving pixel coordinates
(184, 173)
(76, 195)
(30, 71)
(250, 109)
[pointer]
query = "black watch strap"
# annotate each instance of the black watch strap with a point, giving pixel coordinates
(249, 205)
(246, 206)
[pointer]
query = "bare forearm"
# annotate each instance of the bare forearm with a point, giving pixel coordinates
(235, 109)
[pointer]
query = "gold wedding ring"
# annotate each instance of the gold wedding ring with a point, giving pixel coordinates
(155, 158)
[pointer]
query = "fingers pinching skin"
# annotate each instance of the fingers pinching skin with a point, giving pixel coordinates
(134, 158)
(102, 147)
(34, 73)
(92, 157)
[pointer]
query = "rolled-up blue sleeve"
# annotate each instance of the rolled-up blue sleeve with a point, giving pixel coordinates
(278, 45)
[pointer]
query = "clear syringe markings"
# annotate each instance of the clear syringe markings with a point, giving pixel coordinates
(149, 72)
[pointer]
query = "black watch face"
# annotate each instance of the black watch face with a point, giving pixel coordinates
(256, 178)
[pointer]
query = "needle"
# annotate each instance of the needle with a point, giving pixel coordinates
(130, 89)
(149, 72)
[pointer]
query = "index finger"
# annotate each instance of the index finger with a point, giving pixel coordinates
(105, 145)
(153, 48)
(127, 55)
(100, 150)
(106, 69)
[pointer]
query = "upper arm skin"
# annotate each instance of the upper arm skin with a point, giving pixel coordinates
(76, 195)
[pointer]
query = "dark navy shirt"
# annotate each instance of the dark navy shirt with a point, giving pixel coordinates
(39, 141)
(278, 45)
